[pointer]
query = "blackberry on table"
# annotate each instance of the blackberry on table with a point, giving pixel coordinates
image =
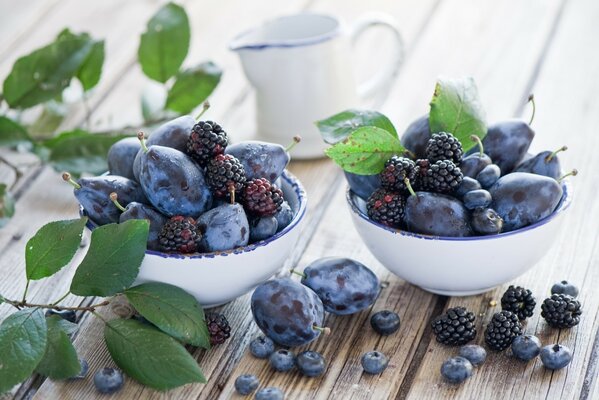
(386, 207)
(395, 171)
(218, 327)
(444, 146)
(561, 311)
(225, 174)
(518, 300)
(502, 329)
(456, 327)
(262, 198)
(207, 140)
(180, 235)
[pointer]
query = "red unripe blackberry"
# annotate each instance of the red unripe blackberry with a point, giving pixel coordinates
(180, 235)
(218, 327)
(225, 174)
(207, 140)
(262, 198)
(395, 171)
(386, 207)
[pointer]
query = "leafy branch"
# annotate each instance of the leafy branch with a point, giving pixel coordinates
(22, 304)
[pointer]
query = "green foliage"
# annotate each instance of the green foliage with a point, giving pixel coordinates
(12, 133)
(7, 205)
(192, 87)
(339, 126)
(60, 359)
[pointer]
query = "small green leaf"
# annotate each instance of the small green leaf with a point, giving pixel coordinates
(172, 310)
(366, 150)
(12, 133)
(23, 337)
(60, 358)
(7, 205)
(192, 87)
(165, 43)
(52, 247)
(338, 127)
(91, 70)
(150, 356)
(44, 127)
(113, 259)
(456, 108)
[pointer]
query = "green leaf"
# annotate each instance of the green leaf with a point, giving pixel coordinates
(338, 127)
(149, 356)
(23, 337)
(113, 259)
(45, 125)
(7, 205)
(46, 72)
(172, 310)
(91, 70)
(165, 43)
(192, 87)
(12, 133)
(366, 150)
(60, 359)
(52, 247)
(456, 108)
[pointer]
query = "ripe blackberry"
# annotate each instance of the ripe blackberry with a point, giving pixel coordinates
(444, 146)
(395, 171)
(386, 207)
(180, 235)
(440, 177)
(262, 198)
(218, 327)
(518, 300)
(502, 330)
(421, 168)
(207, 140)
(561, 311)
(456, 327)
(225, 174)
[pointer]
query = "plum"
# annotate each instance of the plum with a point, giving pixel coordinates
(416, 137)
(121, 156)
(545, 163)
(135, 210)
(224, 228)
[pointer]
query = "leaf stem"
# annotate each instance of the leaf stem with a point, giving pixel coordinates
(64, 296)
(20, 304)
(25, 291)
(531, 99)
(95, 314)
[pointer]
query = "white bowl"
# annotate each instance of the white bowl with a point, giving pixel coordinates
(453, 266)
(219, 277)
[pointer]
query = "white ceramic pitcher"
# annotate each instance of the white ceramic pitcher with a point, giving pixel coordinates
(301, 68)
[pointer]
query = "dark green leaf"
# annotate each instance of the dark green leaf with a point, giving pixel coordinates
(60, 358)
(23, 337)
(47, 123)
(165, 43)
(113, 259)
(7, 205)
(456, 108)
(192, 87)
(366, 150)
(91, 70)
(338, 127)
(150, 356)
(12, 133)
(172, 310)
(52, 247)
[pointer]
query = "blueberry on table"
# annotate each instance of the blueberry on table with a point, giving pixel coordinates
(270, 393)
(246, 384)
(526, 347)
(456, 369)
(310, 363)
(416, 137)
(565, 287)
(555, 356)
(135, 210)
(224, 228)
(545, 163)
(262, 347)
(474, 353)
(68, 315)
(363, 185)
(121, 156)
(385, 322)
(282, 360)
(374, 362)
(108, 380)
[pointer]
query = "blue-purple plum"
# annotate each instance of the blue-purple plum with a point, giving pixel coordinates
(262, 228)
(223, 228)
(121, 156)
(363, 185)
(284, 216)
(545, 163)
(416, 137)
(436, 214)
(135, 210)
(474, 163)
(260, 159)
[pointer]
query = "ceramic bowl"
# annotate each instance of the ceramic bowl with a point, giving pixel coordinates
(463, 266)
(219, 277)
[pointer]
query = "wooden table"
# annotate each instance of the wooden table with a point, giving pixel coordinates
(512, 48)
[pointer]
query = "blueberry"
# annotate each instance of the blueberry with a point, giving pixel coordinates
(565, 287)
(108, 380)
(262, 228)
(246, 384)
(270, 393)
(416, 136)
(555, 356)
(486, 221)
(473, 353)
(545, 163)
(477, 198)
(468, 184)
(282, 360)
(385, 322)
(488, 176)
(374, 362)
(526, 347)
(473, 164)
(363, 185)
(284, 216)
(436, 214)
(224, 228)
(456, 369)
(260, 159)
(68, 315)
(262, 347)
(345, 286)
(84, 370)
(121, 156)
(310, 363)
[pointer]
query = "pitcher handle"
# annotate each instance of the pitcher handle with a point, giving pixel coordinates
(377, 88)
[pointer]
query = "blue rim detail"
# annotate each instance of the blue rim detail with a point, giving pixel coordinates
(563, 205)
(299, 215)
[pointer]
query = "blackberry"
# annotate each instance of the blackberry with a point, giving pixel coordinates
(421, 168)
(444, 146)
(561, 311)
(225, 174)
(456, 327)
(395, 171)
(207, 140)
(180, 235)
(502, 329)
(262, 198)
(440, 177)
(386, 207)
(218, 327)
(518, 300)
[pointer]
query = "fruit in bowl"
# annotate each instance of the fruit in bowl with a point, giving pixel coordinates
(431, 223)
(213, 232)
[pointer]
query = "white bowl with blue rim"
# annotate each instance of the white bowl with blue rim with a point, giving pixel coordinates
(219, 277)
(458, 266)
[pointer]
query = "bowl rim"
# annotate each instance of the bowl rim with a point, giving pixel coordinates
(562, 206)
(302, 198)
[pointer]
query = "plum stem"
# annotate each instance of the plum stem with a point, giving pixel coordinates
(325, 330)
(115, 199)
(410, 154)
(293, 271)
(296, 140)
(142, 140)
(574, 172)
(409, 186)
(531, 100)
(67, 178)
(550, 156)
(232, 193)
(205, 107)
(479, 142)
